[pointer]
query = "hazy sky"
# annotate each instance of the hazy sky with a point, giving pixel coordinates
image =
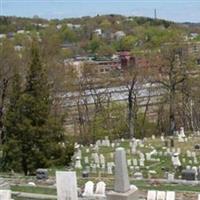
(176, 10)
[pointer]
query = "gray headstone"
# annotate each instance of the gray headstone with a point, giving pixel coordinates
(121, 172)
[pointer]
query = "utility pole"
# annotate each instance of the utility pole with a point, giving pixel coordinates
(155, 14)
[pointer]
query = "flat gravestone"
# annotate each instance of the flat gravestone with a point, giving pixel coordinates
(66, 184)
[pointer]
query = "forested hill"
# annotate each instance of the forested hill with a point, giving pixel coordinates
(10, 23)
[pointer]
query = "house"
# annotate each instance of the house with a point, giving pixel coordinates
(126, 59)
(59, 26)
(2, 36)
(98, 65)
(73, 26)
(18, 47)
(119, 35)
(192, 36)
(20, 31)
(11, 35)
(98, 32)
(105, 66)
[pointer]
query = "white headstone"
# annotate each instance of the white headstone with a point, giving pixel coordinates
(170, 195)
(96, 158)
(102, 159)
(5, 194)
(89, 189)
(78, 163)
(64, 189)
(160, 195)
(100, 189)
(109, 168)
(151, 195)
(86, 160)
(170, 177)
(175, 160)
(182, 132)
(135, 162)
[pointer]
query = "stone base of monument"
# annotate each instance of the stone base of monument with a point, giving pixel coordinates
(130, 195)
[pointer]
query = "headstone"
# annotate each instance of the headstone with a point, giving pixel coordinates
(100, 189)
(135, 162)
(175, 160)
(85, 174)
(89, 189)
(129, 163)
(182, 132)
(160, 195)
(107, 141)
(134, 148)
(102, 159)
(138, 175)
(197, 146)
(195, 169)
(96, 158)
(193, 154)
(121, 172)
(32, 184)
(170, 177)
(42, 174)
(5, 194)
(188, 175)
(109, 168)
(141, 162)
(78, 163)
(86, 160)
(148, 156)
(189, 154)
(170, 195)
(188, 167)
(151, 195)
(87, 150)
(122, 189)
(64, 189)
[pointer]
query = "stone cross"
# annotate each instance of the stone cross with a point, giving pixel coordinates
(121, 172)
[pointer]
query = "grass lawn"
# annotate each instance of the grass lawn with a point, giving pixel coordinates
(38, 190)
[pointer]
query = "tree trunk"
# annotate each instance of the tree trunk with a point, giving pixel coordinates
(172, 111)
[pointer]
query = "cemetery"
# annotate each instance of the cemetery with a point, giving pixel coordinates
(156, 168)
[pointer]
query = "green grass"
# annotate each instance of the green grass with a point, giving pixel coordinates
(142, 185)
(31, 189)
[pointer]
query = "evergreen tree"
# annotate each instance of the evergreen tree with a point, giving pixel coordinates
(11, 134)
(39, 135)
